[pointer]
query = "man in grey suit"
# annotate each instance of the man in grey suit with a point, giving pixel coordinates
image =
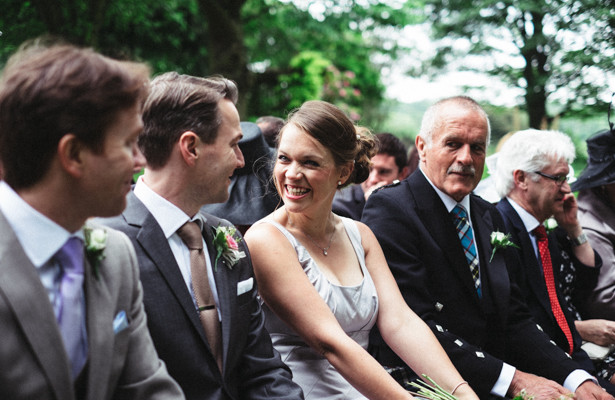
(217, 348)
(71, 316)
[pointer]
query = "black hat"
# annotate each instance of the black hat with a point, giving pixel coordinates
(252, 195)
(600, 168)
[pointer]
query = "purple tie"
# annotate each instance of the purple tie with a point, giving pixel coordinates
(71, 317)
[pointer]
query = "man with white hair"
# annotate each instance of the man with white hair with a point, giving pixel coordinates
(435, 235)
(532, 177)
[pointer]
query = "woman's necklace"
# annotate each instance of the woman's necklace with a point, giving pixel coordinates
(325, 250)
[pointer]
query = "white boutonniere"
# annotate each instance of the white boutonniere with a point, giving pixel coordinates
(95, 244)
(227, 246)
(499, 241)
(550, 225)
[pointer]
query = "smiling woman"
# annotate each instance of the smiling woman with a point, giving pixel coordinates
(323, 278)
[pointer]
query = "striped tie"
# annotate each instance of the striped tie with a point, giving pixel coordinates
(464, 230)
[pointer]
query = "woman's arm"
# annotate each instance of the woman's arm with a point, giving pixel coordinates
(288, 292)
(404, 331)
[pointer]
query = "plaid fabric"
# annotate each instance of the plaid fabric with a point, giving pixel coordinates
(464, 230)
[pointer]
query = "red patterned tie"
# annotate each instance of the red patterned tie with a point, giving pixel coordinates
(543, 247)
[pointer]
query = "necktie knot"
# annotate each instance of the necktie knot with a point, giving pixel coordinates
(540, 233)
(190, 234)
(70, 256)
(459, 212)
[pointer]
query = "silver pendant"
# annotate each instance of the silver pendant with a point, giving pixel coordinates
(324, 252)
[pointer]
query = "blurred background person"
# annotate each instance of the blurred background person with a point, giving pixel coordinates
(596, 199)
(270, 126)
(252, 195)
(390, 164)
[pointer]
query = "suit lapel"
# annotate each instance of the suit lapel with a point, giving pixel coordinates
(493, 269)
(99, 314)
(156, 246)
(224, 287)
(533, 271)
(439, 224)
(33, 311)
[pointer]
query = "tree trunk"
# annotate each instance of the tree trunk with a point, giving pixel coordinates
(535, 73)
(226, 49)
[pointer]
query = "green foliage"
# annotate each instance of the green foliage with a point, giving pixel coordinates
(306, 81)
(346, 34)
(294, 51)
(556, 50)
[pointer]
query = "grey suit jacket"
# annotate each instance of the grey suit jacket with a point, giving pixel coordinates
(33, 363)
(252, 369)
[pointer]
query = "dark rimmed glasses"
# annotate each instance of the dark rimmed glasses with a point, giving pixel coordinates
(558, 179)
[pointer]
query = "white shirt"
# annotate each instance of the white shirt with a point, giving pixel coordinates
(171, 218)
(40, 238)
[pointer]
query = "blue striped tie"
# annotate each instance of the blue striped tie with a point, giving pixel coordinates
(464, 230)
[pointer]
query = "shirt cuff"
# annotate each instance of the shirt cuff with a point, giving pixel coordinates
(504, 380)
(576, 378)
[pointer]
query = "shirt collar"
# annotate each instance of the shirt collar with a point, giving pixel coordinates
(529, 221)
(39, 236)
(448, 201)
(168, 215)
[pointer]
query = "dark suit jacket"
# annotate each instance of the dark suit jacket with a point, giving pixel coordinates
(425, 255)
(531, 281)
(252, 369)
(349, 202)
(122, 363)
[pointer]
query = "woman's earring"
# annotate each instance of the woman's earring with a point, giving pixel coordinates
(339, 183)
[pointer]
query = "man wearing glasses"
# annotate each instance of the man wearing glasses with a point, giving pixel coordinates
(532, 177)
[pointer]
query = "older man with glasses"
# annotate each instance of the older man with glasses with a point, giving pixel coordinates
(532, 173)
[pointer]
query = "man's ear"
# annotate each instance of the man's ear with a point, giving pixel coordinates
(520, 179)
(420, 144)
(70, 153)
(188, 146)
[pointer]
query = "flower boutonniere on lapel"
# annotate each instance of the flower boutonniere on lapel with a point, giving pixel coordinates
(499, 241)
(550, 225)
(227, 246)
(95, 244)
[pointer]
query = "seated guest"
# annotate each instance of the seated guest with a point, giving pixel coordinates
(532, 172)
(71, 313)
(596, 200)
(436, 237)
(323, 278)
(388, 165)
(596, 186)
(198, 282)
(252, 195)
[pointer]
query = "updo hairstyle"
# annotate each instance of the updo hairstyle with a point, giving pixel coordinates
(334, 130)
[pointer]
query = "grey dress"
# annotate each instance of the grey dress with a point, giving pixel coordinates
(356, 310)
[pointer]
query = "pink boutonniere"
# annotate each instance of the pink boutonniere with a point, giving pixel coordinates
(227, 246)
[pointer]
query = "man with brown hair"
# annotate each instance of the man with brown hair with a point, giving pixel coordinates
(200, 290)
(71, 314)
